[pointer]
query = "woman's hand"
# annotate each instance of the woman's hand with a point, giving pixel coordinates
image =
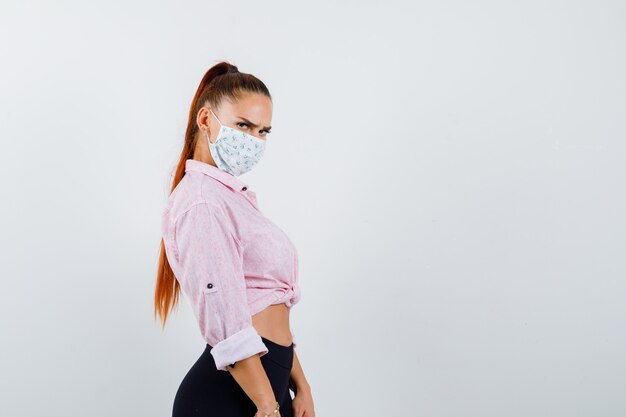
(302, 404)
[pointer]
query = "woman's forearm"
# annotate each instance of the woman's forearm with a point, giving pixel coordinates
(252, 378)
(297, 380)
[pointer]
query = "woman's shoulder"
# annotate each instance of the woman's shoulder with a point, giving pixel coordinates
(194, 193)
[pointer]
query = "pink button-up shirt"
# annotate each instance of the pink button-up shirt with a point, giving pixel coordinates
(230, 260)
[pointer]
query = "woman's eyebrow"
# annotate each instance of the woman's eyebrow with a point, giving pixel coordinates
(252, 124)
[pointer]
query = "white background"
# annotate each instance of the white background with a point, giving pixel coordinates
(452, 173)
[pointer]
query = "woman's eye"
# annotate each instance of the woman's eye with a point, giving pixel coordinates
(245, 125)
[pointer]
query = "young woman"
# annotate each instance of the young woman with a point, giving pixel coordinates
(237, 268)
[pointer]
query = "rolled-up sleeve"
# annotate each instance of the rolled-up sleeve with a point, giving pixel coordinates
(211, 264)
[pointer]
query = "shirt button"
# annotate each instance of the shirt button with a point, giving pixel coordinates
(209, 285)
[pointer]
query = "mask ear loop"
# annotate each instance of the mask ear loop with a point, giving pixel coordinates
(208, 139)
(218, 120)
(207, 134)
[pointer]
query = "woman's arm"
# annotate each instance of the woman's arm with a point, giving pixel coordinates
(297, 381)
(211, 265)
(250, 375)
(303, 401)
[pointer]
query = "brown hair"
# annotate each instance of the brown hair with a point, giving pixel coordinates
(221, 82)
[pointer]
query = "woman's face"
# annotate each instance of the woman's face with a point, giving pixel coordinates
(251, 114)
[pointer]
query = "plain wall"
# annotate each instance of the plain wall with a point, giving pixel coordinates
(452, 173)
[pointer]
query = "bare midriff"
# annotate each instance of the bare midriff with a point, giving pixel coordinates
(273, 323)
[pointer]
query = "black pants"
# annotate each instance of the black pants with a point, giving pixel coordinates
(208, 392)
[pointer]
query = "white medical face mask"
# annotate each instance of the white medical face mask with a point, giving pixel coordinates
(234, 151)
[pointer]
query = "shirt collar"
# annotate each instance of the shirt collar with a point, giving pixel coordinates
(222, 176)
